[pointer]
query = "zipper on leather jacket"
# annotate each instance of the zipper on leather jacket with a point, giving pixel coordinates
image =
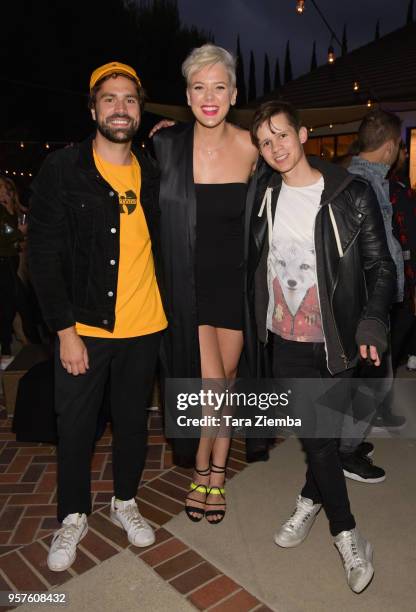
(343, 355)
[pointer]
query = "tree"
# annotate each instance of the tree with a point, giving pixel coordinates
(277, 83)
(241, 81)
(377, 34)
(344, 46)
(288, 65)
(266, 76)
(409, 18)
(314, 63)
(160, 63)
(252, 88)
(60, 45)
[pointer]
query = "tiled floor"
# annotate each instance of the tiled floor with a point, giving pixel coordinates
(27, 520)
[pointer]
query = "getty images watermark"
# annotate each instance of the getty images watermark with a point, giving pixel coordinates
(267, 408)
(219, 402)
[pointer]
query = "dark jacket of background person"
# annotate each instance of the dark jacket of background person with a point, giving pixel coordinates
(376, 174)
(10, 236)
(354, 288)
(403, 200)
(74, 236)
(174, 152)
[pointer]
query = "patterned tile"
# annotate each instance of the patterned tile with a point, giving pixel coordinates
(28, 519)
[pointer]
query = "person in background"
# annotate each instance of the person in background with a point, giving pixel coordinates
(12, 292)
(379, 138)
(403, 319)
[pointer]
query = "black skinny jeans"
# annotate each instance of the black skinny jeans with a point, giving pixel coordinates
(325, 481)
(130, 365)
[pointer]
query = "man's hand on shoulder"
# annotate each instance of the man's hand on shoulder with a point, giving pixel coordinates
(165, 123)
(73, 352)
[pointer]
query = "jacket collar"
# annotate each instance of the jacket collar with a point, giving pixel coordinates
(86, 158)
(368, 169)
(336, 178)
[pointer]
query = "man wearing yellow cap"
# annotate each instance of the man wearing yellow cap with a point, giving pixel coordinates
(93, 253)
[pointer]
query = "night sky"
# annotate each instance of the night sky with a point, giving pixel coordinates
(266, 25)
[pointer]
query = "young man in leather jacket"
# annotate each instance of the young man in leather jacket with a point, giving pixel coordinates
(92, 241)
(320, 283)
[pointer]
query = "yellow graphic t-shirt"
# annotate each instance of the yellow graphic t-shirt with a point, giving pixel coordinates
(139, 309)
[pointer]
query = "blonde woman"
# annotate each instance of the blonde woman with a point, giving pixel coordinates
(205, 168)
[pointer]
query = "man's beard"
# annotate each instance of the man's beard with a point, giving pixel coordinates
(117, 134)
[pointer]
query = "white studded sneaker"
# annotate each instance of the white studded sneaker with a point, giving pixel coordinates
(411, 363)
(357, 557)
(298, 525)
(63, 549)
(125, 514)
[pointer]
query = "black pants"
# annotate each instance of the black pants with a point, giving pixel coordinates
(13, 300)
(325, 481)
(130, 364)
(403, 332)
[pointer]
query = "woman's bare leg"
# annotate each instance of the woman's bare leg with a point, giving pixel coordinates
(211, 368)
(230, 343)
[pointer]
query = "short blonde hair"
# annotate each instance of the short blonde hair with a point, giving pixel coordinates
(208, 55)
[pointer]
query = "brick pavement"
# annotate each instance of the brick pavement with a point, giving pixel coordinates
(27, 521)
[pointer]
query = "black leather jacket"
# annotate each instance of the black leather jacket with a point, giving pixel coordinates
(356, 275)
(74, 236)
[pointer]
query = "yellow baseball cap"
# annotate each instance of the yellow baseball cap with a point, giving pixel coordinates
(113, 68)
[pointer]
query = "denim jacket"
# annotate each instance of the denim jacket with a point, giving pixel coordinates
(375, 174)
(74, 237)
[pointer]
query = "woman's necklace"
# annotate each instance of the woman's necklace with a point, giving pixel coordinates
(211, 151)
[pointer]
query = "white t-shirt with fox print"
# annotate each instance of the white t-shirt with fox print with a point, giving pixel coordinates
(293, 311)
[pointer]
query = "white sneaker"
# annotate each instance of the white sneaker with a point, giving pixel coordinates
(63, 549)
(125, 514)
(297, 527)
(357, 556)
(411, 363)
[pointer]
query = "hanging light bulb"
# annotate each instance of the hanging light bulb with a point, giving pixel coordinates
(330, 126)
(47, 146)
(22, 145)
(369, 103)
(311, 129)
(300, 7)
(331, 54)
(356, 86)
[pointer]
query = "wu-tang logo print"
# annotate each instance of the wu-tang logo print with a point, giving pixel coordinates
(127, 202)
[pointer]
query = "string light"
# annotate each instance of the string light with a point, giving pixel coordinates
(331, 126)
(331, 54)
(18, 173)
(300, 7)
(22, 145)
(356, 86)
(369, 103)
(311, 129)
(47, 146)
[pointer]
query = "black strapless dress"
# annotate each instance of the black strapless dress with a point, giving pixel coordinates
(219, 268)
